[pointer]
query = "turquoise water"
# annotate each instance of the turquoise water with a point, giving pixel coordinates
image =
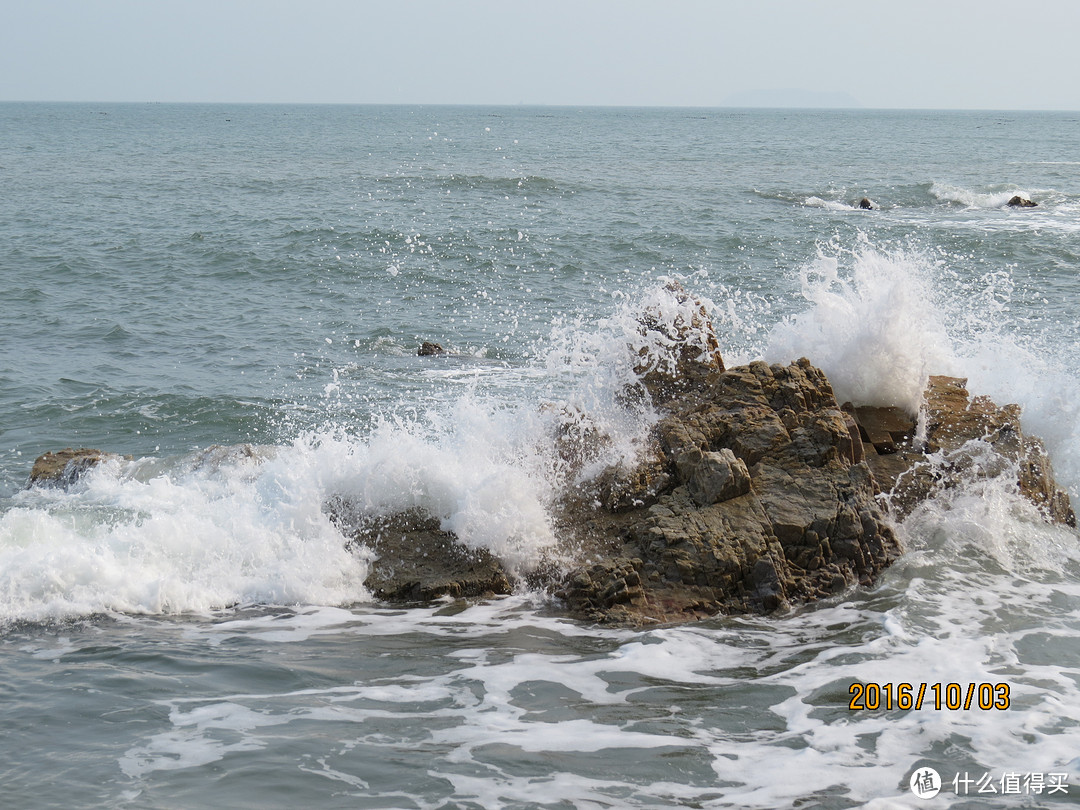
(185, 629)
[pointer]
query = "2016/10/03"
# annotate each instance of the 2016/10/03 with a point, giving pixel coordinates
(905, 696)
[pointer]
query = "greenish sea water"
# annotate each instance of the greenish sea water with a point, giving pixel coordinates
(187, 629)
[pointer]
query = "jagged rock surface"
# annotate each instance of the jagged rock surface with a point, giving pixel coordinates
(750, 497)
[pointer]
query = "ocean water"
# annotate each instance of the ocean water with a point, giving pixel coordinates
(185, 628)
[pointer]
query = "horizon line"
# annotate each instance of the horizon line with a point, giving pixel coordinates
(561, 105)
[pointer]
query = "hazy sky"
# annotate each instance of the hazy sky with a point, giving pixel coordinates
(966, 54)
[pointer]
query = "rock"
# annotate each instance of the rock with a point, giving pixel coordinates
(884, 428)
(757, 491)
(713, 477)
(966, 437)
(64, 467)
(1021, 202)
(415, 561)
(763, 506)
(428, 349)
(865, 203)
(675, 344)
(216, 456)
(754, 491)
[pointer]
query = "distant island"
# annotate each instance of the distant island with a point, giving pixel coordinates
(791, 98)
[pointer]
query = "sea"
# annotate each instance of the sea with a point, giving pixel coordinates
(231, 298)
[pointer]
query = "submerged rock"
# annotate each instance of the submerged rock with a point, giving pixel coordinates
(64, 467)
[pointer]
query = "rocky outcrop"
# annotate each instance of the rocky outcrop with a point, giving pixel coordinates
(754, 490)
(1021, 202)
(64, 467)
(752, 496)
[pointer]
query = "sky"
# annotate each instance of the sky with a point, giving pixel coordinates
(924, 54)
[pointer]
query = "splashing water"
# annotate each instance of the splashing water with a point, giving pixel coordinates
(873, 326)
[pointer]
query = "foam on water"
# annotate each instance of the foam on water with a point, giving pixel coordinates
(814, 201)
(187, 542)
(993, 197)
(751, 713)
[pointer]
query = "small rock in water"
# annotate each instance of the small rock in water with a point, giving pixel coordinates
(64, 467)
(429, 349)
(865, 203)
(1021, 202)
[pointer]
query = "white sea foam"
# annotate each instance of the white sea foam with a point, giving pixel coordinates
(829, 205)
(994, 197)
(195, 541)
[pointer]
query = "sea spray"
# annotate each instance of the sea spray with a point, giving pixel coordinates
(490, 469)
(873, 326)
(990, 197)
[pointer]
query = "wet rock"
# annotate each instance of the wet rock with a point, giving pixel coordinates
(865, 203)
(216, 456)
(763, 505)
(429, 349)
(415, 561)
(965, 437)
(765, 493)
(689, 338)
(1021, 202)
(754, 491)
(64, 467)
(885, 428)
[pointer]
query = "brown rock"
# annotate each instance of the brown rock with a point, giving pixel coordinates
(1021, 202)
(417, 562)
(694, 339)
(64, 467)
(755, 491)
(429, 349)
(764, 506)
(968, 436)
